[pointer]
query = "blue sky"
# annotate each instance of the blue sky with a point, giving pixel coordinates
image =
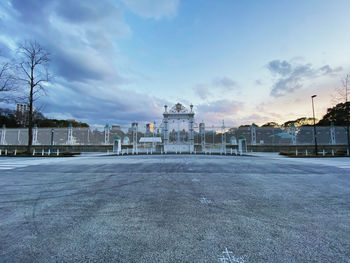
(242, 61)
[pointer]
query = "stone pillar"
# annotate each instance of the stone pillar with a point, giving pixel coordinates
(35, 135)
(117, 145)
(107, 132)
(70, 135)
(253, 134)
(293, 133)
(3, 135)
(332, 132)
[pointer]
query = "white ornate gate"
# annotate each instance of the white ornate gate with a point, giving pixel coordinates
(178, 129)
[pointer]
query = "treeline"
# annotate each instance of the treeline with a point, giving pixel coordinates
(12, 120)
(338, 115)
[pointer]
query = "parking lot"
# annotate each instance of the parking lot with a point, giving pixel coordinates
(174, 208)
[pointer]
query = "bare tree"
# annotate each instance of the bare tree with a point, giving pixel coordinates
(6, 82)
(33, 67)
(343, 96)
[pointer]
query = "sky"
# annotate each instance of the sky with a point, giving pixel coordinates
(119, 61)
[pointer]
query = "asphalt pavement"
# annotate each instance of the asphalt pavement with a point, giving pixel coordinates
(174, 208)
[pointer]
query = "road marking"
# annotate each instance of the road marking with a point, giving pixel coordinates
(195, 180)
(18, 163)
(205, 201)
(9, 166)
(344, 166)
(228, 257)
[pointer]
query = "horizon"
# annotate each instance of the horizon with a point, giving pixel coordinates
(244, 63)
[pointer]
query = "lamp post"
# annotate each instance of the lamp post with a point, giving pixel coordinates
(313, 113)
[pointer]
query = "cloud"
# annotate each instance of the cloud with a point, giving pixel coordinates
(5, 51)
(291, 76)
(328, 70)
(218, 110)
(81, 37)
(280, 67)
(258, 82)
(155, 9)
(101, 105)
(221, 85)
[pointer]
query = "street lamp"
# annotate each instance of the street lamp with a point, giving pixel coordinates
(313, 113)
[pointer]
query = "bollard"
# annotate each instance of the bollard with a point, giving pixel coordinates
(58, 152)
(323, 152)
(33, 152)
(5, 151)
(0, 152)
(332, 152)
(147, 151)
(347, 152)
(15, 152)
(108, 152)
(296, 152)
(49, 152)
(306, 153)
(42, 152)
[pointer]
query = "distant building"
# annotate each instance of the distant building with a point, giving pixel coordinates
(22, 111)
(149, 128)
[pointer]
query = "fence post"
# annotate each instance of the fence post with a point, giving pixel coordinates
(294, 138)
(35, 135)
(332, 132)
(70, 135)
(107, 132)
(3, 135)
(253, 134)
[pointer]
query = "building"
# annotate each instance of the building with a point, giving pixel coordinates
(149, 129)
(22, 111)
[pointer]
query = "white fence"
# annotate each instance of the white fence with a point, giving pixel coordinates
(210, 136)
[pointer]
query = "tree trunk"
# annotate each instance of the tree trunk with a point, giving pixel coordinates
(347, 125)
(30, 113)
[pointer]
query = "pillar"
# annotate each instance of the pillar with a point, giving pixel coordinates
(134, 136)
(107, 132)
(223, 137)
(3, 135)
(253, 134)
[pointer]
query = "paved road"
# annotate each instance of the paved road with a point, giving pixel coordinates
(174, 209)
